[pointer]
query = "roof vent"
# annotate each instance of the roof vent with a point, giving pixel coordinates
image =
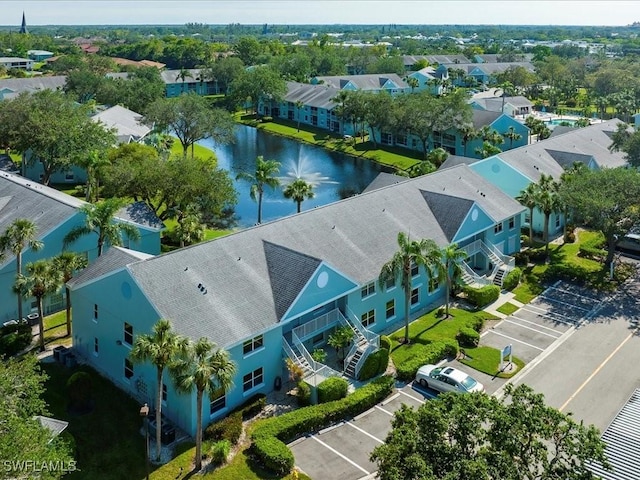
(333, 228)
(239, 258)
(186, 268)
(202, 289)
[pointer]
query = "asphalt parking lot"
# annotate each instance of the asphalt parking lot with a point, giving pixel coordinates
(343, 451)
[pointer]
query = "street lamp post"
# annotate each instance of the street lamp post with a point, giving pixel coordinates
(144, 412)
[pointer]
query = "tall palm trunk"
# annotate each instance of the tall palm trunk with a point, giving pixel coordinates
(447, 293)
(531, 227)
(299, 202)
(407, 300)
(40, 323)
(199, 430)
(546, 234)
(19, 272)
(259, 207)
(68, 299)
(159, 414)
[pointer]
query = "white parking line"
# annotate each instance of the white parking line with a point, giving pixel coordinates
(516, 340)
(564, 303)
(415, 398)
(575, 294)
(383, 410)
(365, 432)
(536, 324)
(530, 328)
(551, 315)
(340, 455)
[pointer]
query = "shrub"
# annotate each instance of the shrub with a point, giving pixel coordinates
(524, 239)
(537, 254)
(253, 406)
(512, 279)
(219, 452)
(522, 258)
(303, 393)
(478, 323)
(440, 312)
(385, 342)
(430, 353)
(274, 455)
(267, 119)
(319, 355)
(375, 364)
(569, 237)
(482, 296)
(468, 337)
(14, 339)
(229, 428)
(331, 389)
(79, 389)
(570, 272)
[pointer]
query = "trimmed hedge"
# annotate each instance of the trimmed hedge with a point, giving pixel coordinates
(14, 339)
(332, 389)
(253, 406)
(512, 279)
(274, 455)
(269, 434)
(478, 323)
(375, 364)
(430, 353)
(479, 297)
(303, 393)
(385, 342)
(573, 273)
(468, 337)
(229, 428)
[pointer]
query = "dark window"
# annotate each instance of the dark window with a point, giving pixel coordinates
(390, 309)
(497, 228)
(368, 290)
(415, 296)
(414, 269)
(253, 344)
(253, 379)
(433, 285)
(128, 334)
(390, 283)
(128, 369)
(96, 347)
(164, 393)
(95, 311)
(368, 318)
(512, 223)
(217, 401)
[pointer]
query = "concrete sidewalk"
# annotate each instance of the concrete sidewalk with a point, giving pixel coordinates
(505, 297)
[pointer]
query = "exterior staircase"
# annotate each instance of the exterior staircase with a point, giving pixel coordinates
(500, 265)
(498, 278)
(361, 348)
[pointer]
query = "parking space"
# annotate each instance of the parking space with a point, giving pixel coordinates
(343, 451)
(536, 326)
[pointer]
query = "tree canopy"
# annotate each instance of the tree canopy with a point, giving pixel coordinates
(464, 436)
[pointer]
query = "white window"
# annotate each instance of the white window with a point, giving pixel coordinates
(497, 228)
(252, 380)
(368, 318)
(368, 290)
(253, 344)
(414, 269)
(217, 401)
(390, 309)
(415, 296)
(128, 333)
(128, 369)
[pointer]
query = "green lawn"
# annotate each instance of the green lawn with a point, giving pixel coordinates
(55, 328)
(429, 328)
(487, 360)
(398, 158)
(508, 308)
(198, 150)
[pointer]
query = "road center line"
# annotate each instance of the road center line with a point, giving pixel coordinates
(516, 340)
(595, 372)
(365, 432)
(530, 328)
(339, 454)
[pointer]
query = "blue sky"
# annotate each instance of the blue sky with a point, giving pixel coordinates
(514, 12)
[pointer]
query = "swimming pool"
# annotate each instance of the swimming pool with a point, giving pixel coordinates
(561, 121)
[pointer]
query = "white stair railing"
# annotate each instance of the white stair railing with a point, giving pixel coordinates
(481, 280)
(371, 337)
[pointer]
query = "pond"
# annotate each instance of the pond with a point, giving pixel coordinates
(334, 175)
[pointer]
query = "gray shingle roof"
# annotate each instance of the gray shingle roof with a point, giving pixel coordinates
(55, 426)
(364, 82)
(592, 141)
(289, 271)
(490, 68)
(494, 104)
(384, 180)
(480, 118)
(33, 84)
(173, 76)
(319, 96)
(453, 160)
(115, 258)
(567, 159)
(449, 211)
(235, 286)
(561, 130)
(126, 123)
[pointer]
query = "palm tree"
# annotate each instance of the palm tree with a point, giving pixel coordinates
(528, 198)
(548, 202)
(99, 219)
(208, 369)
(410, 253)
(413, 82)
(445, 264)
(299, 190)
(190, 228)
(468, 133)
(265, 174)
(437, 156)
(67, 263)
(183, 74)
(512, 135)
(42, 279)
(93, 162)
(161, 348)
(299, 104)
(20, 234)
